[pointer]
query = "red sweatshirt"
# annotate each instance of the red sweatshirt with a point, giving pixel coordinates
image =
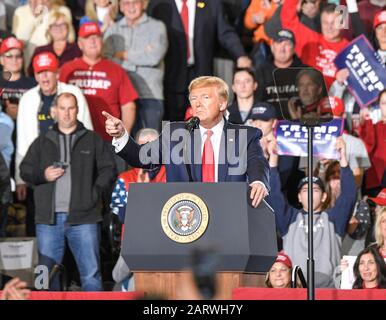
(312, 48)
(374, 137)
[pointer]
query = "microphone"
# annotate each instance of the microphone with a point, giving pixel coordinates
(189, 126)
(192, 124)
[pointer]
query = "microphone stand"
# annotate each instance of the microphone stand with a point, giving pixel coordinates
(310, 260)
(190, 126)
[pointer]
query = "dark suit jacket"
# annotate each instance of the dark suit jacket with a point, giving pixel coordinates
(241, 157)
(210, 25)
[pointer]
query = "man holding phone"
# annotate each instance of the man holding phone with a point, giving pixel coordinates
(70, 167)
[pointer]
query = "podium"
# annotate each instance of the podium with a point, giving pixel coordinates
(159, 234)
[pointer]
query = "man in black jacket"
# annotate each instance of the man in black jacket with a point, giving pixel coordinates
(283, 56)
(70, 167)
(191, 50)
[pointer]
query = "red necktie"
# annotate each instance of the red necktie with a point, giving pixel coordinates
(208, 159)
(185, 21)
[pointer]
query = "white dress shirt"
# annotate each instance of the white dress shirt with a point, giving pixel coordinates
(192, 14)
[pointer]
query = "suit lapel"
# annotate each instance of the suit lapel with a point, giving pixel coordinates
(196, 155)
(177, 22)
(223, 162)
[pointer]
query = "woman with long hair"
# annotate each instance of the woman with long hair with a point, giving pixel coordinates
(369, 270)
(104, 12)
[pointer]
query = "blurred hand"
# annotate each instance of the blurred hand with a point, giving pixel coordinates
(143, 176)
(258, 193)
(244, 62)
(15, 289)
(364, 114)
(114, 126)
(342, 75)
(21, 192)
(121, 55)
(53, 174)
(343, 264)
(293, 109)
(272, 149)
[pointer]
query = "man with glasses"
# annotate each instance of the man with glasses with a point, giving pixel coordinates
(315, 49)
(14, 85)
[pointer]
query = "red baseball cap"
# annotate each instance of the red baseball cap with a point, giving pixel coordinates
(11, 43)
(336, 104)
(89, 28)
(380, 199)
(45, 61)
(379, 18)
(284, 259)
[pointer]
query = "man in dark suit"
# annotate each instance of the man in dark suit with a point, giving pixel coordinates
(216, 150)
(194, 28)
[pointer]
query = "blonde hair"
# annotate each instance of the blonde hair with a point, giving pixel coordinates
(90, 10)
(378, 233)
(54, 16)
(210, 81)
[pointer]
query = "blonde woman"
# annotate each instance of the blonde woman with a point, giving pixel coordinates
(61, 37)
(31, 23)
(380, 232)
(104, 12)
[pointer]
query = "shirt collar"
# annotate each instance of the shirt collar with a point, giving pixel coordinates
(123, 23)
(217, 129)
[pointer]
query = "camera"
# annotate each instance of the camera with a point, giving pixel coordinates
(61, 165)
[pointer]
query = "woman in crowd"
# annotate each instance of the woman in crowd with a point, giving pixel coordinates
(280, 274)
(31, 24)
(369, 270)
(61, 37)
(104, 12)
(380, 232)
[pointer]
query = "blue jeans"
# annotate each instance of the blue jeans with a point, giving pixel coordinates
(150, 113)
(83, 240)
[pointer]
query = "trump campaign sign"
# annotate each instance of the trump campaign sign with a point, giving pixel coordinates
(292, 138)
(367, 74)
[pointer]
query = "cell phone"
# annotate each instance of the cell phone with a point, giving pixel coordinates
(61, 165)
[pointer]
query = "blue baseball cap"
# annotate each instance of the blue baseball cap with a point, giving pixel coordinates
(315, 180)
(263, 111)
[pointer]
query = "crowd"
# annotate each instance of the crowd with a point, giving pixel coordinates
(65, 62)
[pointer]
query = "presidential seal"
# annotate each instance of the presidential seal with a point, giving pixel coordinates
(184, 218)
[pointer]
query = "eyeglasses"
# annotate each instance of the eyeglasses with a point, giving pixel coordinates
(58, 25)
(14, 56)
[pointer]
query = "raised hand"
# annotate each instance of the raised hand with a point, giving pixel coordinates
(341, 147)
(114, 126)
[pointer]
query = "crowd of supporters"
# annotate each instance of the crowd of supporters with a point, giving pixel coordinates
(66, 61)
